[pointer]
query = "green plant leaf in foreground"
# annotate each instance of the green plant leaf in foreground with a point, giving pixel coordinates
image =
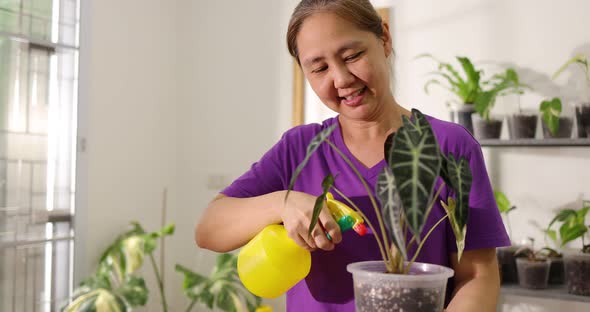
(415, 162)
(460, 177)
(450, 207)
(320, 202)
(221, 289)
(550, 113)
(311, 148)
(391, 209)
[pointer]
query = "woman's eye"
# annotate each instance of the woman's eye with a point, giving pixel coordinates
(319, 69)
(353, 57)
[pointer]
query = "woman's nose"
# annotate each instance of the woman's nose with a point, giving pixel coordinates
(343, 78)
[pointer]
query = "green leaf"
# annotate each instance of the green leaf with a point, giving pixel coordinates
(552, 234)
(193, 282)
(320, 202)
(222, 289)
(134, 291)
(569, 233)
(502, 202)
(415, 162)
(451, 209)
(133, 252)
(579, 59)
(550, 114)
(311, 148)
(391, 209)
(460, 177)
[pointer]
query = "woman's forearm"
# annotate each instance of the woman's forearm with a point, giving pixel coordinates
(478, 294)
(477, 282)
(229, 223)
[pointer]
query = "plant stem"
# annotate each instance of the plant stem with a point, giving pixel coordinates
(424, 240)
(355, 207)
(190, 307)
(160, 283)
(369, 192)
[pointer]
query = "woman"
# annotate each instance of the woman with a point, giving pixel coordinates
(344, 49)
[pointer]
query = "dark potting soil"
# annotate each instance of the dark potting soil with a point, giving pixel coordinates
(556, 271)
(578, 277)
(583, 120)
(523, 126)
(533, 275)
(507, 264)
(487, 129)
(388, 297)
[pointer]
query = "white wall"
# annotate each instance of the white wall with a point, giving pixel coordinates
(128, 106)
(235, 101)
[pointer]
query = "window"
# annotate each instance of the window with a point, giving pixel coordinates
(38, 100)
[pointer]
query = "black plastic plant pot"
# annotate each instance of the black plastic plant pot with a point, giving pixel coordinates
(532, 274)
(583, 120)
(564, 131)
(462, 116)
(490, 129)
(556, 271)
(577, 272)
(522, 126)
(507, 264)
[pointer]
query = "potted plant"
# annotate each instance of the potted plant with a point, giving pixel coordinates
(583, 109)
(522, 125)
(474, 93)
(408, 285)
(554, 125)
(466, 87)
(577, 264)
(222, 289)
(506, 259)
(117, 286)
(502, 84)
(532, 266)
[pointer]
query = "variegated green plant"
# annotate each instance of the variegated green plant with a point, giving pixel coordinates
(407, 189)
(222, 289)
(579, 59)
(115, 286)
(550, 112)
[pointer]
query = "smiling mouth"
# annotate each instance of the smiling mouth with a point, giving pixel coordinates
(355, 98)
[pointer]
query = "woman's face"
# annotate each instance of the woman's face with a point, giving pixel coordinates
(346, 67)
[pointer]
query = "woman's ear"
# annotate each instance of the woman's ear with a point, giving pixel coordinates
(386, 37)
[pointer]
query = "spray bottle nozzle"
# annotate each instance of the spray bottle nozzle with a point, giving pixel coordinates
(345, 216)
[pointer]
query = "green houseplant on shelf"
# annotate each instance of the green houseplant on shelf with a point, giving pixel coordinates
(533, 266)
(407, 194)
(506, 259)
(554, 125)
(583, 108)
(573, 226)
(474, 93)
(465, 86)
(117, 286)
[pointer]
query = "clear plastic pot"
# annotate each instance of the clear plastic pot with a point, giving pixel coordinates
(422, 290)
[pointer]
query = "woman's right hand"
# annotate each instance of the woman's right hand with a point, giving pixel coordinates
(296, 216)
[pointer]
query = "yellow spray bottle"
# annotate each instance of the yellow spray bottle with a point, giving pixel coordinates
(271, 263)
